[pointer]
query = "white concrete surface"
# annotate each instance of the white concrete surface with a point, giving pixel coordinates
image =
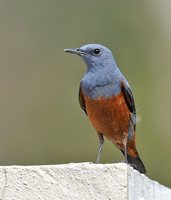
(81, 181)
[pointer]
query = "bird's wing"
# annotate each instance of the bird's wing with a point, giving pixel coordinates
(128, 96)
(81, 100)
(129, 99)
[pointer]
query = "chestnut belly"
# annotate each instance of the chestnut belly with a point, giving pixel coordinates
(109, 116)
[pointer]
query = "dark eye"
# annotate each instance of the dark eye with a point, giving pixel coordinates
(96, 51)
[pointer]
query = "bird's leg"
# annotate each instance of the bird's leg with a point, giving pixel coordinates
(125, 140)
(101, 141)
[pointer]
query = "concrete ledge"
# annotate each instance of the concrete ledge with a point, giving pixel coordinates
(78, 181)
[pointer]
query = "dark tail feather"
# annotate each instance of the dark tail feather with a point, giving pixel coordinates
(136, 163)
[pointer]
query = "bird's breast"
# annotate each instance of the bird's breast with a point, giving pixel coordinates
(102, 83)
(101, 90)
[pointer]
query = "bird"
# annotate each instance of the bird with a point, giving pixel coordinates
(106, 98)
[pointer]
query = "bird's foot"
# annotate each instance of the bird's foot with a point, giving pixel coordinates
(122, 161)
(97, 162)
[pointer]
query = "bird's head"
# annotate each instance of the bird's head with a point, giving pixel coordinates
(96, 56)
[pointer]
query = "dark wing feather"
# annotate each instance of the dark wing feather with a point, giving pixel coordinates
(129, 99)
(128, 96)
(81, 100)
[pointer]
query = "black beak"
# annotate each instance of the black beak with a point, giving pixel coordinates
(75, 51)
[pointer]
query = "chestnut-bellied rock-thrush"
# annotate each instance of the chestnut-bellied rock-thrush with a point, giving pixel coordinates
(106, 98)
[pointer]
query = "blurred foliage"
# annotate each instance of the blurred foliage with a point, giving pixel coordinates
(41, 122)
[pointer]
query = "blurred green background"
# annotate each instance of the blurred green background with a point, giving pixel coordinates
(40, 118)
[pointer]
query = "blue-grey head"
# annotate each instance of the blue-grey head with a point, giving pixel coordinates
(103, 76)
(96, 56)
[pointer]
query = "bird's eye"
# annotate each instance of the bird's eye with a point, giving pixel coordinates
(96, 51)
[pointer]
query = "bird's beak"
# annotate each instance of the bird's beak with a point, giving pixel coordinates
(75, 51)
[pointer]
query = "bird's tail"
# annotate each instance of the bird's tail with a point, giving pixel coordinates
(136, 163)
